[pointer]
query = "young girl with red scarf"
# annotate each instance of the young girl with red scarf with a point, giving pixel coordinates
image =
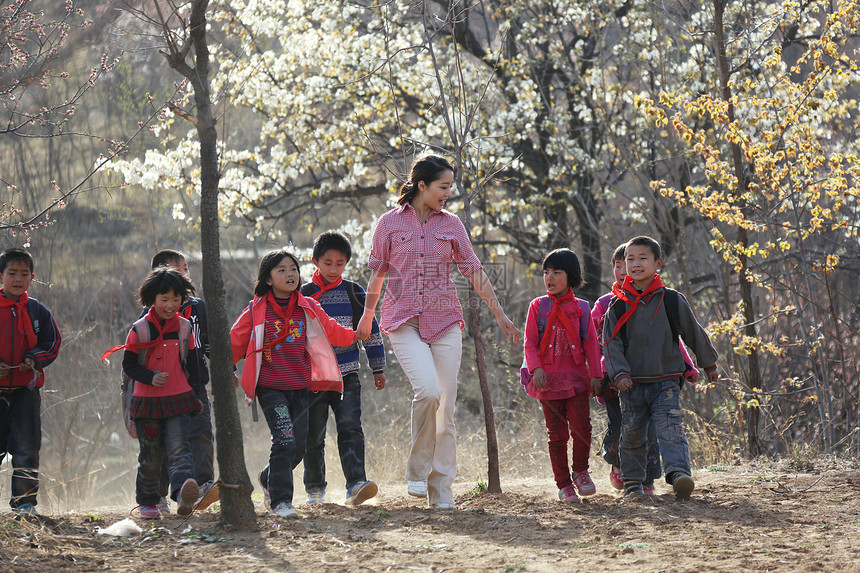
(564, 366)
(285, 339)
(163, 400)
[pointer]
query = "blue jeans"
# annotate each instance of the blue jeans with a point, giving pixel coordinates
(202, 446)
(350, 436)
(659, 405)
(286, 412)
(612, 438)
(21, 436)
(156, 438)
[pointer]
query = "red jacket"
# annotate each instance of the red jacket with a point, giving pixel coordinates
(14, 347)
(247, 333)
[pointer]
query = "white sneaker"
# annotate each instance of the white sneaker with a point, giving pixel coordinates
(417, 488)
(444, 506)
(163, 506)
(286, 510)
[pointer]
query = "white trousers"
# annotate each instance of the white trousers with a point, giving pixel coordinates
(432, 370)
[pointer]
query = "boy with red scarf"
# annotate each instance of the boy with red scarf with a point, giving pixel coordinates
(339, 299)
(647, 366)
(29, 341)
(565, 367)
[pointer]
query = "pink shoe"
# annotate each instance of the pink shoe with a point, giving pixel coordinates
(149, 512)
(584, 484)
(567, 494)
(615, 478)
(649, 490)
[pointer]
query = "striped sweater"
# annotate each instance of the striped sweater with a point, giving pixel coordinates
(336, 304)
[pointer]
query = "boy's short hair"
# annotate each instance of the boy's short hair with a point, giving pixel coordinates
(164, 257)
(332, 240)
(567, 261)
(267, 264)
(15, 254)
(163, 280)
(619, 253)
(646, 241)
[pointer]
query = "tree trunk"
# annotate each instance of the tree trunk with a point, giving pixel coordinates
(237, 509)
(755, 380)
(494, 482)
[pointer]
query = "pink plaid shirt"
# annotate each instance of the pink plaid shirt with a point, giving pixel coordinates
(417, 259)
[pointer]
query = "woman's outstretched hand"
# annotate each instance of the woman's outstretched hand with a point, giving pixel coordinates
(508, 327)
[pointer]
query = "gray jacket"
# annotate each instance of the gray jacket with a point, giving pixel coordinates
(651, 355)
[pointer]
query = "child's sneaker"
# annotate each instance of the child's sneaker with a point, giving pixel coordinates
(567, 494)
(648, 489)
(584, 484)
(361, 492)
(615, 478)
(633, 491)
(163, 506)
(188, 494)
(150, 512)
(209, 494)
(317, 497)
(684, 486)
(26, 510)
(286, 510)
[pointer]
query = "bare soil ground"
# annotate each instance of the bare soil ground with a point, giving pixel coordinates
(740, 518)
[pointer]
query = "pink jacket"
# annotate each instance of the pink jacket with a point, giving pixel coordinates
(247, 333)
(586, 356)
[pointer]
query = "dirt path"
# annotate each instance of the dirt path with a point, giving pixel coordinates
(739, 519)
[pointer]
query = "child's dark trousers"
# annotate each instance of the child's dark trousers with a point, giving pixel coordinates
(156, 438)
(21, 436)
(350, 436)
(286, 412)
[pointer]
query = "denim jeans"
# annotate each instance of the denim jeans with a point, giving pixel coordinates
(202, 443)
(657, 404)
(611, 439)
(157, 437)
(350, 436)
(286, 412)
(21, 436)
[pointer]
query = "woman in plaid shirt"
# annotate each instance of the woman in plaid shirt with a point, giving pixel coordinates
(414, 245)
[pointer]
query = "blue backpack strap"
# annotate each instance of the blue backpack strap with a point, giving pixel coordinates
(584, 318)
(543, 315)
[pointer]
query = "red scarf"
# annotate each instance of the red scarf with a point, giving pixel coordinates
(557, 313)
(285, 316)
(318, 280)
(628, 293)
(25, 325)
(171, 325)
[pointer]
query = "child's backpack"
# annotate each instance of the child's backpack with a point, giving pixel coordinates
(356, 300)
(542, 317)
(141, 328)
